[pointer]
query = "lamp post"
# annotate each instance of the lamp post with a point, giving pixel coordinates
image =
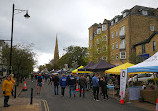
(13, 13)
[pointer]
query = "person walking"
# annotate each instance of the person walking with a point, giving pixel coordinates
(88, 83)
(63, 83)
(82, 83)
(39, 83)
(50, 80)
(72, 84)
(56, 84)
(7, 89)
(95, 87)
(104, 87)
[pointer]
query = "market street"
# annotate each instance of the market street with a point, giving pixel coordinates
(58, 103)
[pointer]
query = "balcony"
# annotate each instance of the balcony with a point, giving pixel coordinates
(122, 47)
(122, 34)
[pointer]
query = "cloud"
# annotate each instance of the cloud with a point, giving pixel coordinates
(68, 19)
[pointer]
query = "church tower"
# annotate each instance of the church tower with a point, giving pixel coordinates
(56, 52)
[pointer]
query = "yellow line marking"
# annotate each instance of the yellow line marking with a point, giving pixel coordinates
(46, 105)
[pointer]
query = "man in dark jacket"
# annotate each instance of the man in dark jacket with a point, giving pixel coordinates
(72, 84)
(56, 84)
(82, 83)
(104, 87)
(63, 83)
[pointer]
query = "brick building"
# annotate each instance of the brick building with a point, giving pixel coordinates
(116, 39)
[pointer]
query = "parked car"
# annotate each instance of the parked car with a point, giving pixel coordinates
(142, 77)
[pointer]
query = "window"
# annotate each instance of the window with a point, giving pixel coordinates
(112, 46)
(99, 31)
(123, 28)
(144, 12)
(124, 14)
(98, 41)
(122, 31)
(154, 46)
(122, 55)
(104, 27)
(104, 38)
(91, 38)
(116, 45)
(112, 35)
(104, 58)
(116, 33)
(90, 46)
(151, 27)
(98, 50)
(104, 48)
(123, 44)
(116, 20)
(113, 57)
(116, 56)
(143, 48)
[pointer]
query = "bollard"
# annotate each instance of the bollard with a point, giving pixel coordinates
(15, 92)
(31, 101)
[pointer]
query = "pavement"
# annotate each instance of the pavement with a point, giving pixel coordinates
(47, 101)
(20, 103)
(59, 103)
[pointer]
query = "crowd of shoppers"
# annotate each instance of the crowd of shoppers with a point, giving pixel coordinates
(82, 82)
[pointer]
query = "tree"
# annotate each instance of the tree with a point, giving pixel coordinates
(41, 67)
(22, 59)
(76, 54)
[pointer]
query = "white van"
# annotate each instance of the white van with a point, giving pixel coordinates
(142, 77)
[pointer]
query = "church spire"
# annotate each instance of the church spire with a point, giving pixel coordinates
(56, 52)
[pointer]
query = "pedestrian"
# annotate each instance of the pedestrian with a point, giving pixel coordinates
(63, 83)
(95, 82)
(88, 83)
(13, 81)
(72, 84)
(46, 77)
(104, 87)
(56, 84)
(39, 83)
(32, 77)
(50, 80)
(7, 89)
(82, 83)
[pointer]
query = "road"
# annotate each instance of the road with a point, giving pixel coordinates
(59, 103)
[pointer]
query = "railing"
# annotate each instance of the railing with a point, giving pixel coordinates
(122, 46)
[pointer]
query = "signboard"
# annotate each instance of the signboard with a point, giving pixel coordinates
(123, 79)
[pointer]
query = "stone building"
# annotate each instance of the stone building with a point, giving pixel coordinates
(115, 40)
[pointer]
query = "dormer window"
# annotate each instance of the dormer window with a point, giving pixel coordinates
(104, 27)
(112, 22)
(99, 31)
(125, 14)
(116, 20)
(144, 12)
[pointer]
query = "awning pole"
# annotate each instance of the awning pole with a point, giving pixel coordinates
(132, 79)
(154, 79)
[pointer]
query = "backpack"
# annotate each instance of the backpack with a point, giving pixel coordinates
(39, 79)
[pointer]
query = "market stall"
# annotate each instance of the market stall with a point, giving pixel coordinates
(101, 66)
(76, 70)
(117, 71)
(149, 65)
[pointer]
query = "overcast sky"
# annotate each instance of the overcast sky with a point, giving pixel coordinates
(68, 19)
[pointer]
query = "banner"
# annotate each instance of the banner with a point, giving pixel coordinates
(123, 79)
